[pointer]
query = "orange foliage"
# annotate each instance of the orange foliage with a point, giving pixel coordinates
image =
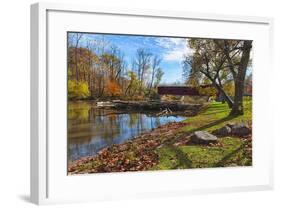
(113, 88)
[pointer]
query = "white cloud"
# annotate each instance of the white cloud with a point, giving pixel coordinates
(175, 55)
(176, 48)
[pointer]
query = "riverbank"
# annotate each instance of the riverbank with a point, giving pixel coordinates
(156, 106)
(168, 147)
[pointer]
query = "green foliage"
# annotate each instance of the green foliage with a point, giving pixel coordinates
(78, 89)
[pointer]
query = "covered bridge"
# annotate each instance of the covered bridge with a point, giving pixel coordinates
(180, 90)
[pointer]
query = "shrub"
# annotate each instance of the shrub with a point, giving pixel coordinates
(78, 89)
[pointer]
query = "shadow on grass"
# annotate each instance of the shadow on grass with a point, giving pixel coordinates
(222, 162)
(214, 112)
(214, 123)
(182, 158)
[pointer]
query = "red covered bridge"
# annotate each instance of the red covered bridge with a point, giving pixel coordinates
(180, 90)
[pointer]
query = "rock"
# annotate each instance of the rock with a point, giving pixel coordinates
(223, 131)
(240, 129)
(235, 129)
(203, 137)
(230, 124)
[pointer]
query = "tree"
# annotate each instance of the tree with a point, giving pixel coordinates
(209, 91)
(237, 108)
(237, 54)
(248, 85)
(158, 76)
(113, 88)
(91, 70)
(133, 84)
(208, 60)
(77, 89)
(222, 62)
(101, 67)
(142, 64)
(110, 61)
(78, 37)
(155, 67)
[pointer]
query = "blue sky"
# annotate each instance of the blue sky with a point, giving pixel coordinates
(171, 50)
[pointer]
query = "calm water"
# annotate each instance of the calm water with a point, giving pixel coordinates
(91, 129)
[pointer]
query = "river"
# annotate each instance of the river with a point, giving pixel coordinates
(91, 129)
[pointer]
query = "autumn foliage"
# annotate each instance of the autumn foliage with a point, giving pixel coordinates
(78, 89)
(113, 88)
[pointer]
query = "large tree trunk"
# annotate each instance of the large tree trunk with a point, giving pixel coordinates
(224, 94)
(237, 108)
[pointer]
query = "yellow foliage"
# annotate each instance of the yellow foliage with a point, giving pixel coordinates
(208, 91)
(78, 89)
(229, 88)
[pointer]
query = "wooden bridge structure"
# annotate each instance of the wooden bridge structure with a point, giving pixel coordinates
(180, 90)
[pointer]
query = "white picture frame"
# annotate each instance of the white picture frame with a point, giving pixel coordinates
(49, 180)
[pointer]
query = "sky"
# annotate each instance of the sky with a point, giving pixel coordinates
(170, 50)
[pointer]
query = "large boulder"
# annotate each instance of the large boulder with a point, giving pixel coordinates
(223, 131)
(203, 137)
(240, 129)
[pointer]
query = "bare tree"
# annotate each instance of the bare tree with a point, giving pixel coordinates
(155, 67)
(142, 64)
(78, 37)
(90, 66)
(158, 76)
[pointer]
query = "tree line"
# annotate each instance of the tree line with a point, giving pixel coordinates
(98, 70)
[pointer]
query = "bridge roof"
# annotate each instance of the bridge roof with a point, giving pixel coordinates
(179, 90)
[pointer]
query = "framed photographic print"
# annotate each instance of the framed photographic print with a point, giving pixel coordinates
(132, 103)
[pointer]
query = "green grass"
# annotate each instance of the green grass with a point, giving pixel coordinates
(191, 156)
(231, 152)
(215, 116)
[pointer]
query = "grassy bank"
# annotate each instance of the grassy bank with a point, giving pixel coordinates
(232, 151)
(216, 116)
(167, 147)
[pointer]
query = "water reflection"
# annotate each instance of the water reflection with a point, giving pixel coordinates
(91, 129)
